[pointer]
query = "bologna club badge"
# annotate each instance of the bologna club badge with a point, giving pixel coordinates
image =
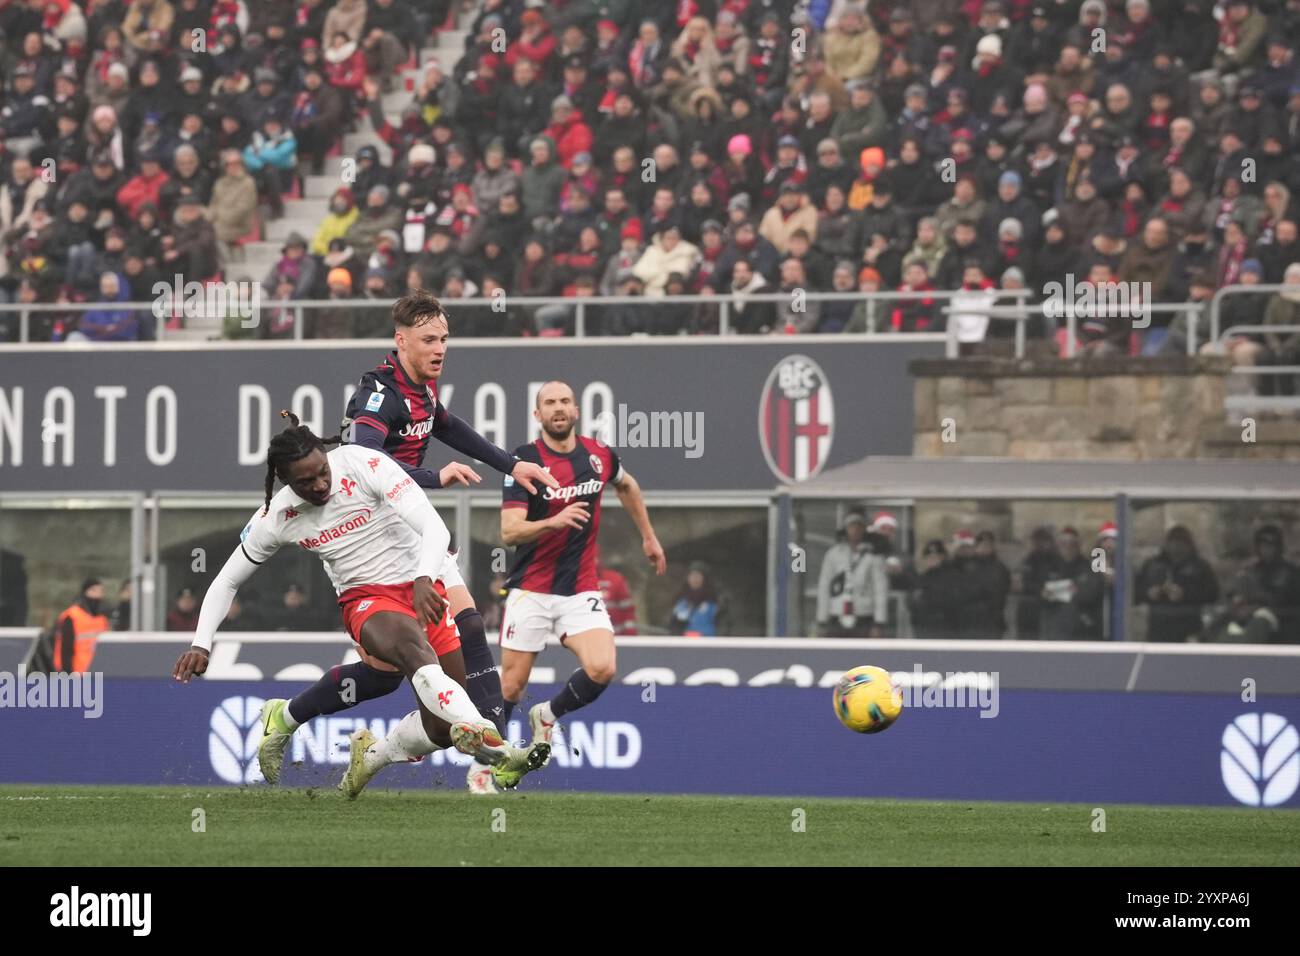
(796, 418)
(596, 465)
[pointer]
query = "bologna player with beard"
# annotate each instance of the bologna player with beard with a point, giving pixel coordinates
(553, 586)
(383, 546)
(395, 411)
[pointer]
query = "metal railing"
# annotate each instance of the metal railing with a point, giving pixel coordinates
(575, 314)
(1216, 301)
(305, 311)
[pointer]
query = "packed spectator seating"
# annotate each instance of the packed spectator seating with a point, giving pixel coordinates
(585, 149)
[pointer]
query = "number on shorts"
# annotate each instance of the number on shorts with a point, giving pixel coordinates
(595, 604)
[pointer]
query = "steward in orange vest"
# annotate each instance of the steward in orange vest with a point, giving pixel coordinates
(78, 628)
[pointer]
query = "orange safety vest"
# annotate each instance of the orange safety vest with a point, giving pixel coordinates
(86, 627)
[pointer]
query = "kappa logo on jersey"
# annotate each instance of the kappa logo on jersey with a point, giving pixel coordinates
(363, 605)
(373, 463)
(347, 485)
(596, 464)
(796, 418)
(374, 402)
(289, 514)
(351, 522)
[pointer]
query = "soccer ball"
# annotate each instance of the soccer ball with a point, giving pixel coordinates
(866, 700)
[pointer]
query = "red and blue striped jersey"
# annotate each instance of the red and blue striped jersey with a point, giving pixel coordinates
(564, 561)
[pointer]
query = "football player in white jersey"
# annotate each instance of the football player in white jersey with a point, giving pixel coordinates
(383, 546)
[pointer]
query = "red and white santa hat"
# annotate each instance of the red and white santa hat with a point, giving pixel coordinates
(962, 537)
(883, 519)
(1108, 530)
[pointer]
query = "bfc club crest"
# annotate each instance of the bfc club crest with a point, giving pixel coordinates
(796, 418)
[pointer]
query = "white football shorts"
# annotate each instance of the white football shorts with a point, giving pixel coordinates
(531, 617)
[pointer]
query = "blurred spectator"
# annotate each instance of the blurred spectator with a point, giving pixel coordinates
(184, 612)
(120, 617)
(749, 318)
(852, 587)
(241, 617)
(794, 313)
(317, 114)
(336, 322)
(667, 253)
(294, 267)
(1027, 581)
(1281, 348)
(697, 608)
(193, 248)
(1061, 616)
(1097, 588)
(970, 308)
(984, 614)
(835, 316)
(293, 613)
(935, 601)
(1248, 618)
(881, 534)
(618, 598)
(234, 203)
(378, 215)
(108, 325)
(1278, 578)
(270, 158)
(77, 629)
(145, 187)
(1177, 583)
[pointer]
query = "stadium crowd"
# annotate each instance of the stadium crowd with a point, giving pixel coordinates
(1062, 588)
(588, 148)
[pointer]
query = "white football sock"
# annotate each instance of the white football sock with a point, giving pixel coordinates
(407, 742)
(443, 696)
(547, 714)
(287, 718)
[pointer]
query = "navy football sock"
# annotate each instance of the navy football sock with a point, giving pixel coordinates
(507, 706)
(578, 691)
(481, 677)
(330, 694)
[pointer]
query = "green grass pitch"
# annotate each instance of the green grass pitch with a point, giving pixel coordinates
(107, 826)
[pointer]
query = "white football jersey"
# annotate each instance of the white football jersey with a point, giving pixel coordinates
(363, 533)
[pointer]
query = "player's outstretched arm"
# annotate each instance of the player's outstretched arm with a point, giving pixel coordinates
(516, 529)
(629, 495)
(458, 434)
(216, 605)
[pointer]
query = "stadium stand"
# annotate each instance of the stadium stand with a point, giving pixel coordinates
(649, 149)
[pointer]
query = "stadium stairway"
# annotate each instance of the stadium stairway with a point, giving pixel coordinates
(304, 213)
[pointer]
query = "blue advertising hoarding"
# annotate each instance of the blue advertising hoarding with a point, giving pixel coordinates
(1085, 747)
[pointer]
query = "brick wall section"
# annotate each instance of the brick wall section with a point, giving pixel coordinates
(1108, 408)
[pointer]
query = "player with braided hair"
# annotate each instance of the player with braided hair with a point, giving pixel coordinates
(396, 412)
(383, 546)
